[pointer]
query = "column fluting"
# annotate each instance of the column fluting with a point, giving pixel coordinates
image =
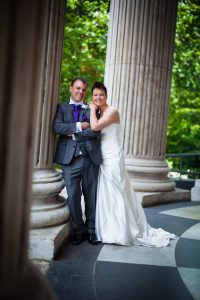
(138, 74)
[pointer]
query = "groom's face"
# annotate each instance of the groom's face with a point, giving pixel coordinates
(78, 91)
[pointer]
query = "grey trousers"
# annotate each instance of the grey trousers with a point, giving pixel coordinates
(81, 177)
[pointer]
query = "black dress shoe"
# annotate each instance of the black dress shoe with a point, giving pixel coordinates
(92, 239)
(77, 239)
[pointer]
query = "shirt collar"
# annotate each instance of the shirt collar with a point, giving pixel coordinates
(73, 102)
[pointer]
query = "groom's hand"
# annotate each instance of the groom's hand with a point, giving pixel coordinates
(85, 125)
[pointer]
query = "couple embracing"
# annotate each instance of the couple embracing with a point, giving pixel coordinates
(92, 161)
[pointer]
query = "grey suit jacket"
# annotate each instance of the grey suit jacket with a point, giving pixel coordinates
(64, 125)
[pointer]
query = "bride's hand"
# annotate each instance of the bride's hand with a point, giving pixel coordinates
(93, 106)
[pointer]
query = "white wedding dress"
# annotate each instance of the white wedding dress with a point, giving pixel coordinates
(120, 217)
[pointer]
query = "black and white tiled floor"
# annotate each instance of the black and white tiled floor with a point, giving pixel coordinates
(111, 272)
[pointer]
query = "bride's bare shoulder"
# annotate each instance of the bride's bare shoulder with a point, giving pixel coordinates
(113, 111)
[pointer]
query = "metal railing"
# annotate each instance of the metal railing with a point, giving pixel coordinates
(192, 161)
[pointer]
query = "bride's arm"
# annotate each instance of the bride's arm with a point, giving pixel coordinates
(109, 117)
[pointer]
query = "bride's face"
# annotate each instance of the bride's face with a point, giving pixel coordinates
(99, 97)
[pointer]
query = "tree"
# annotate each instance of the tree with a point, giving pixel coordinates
(85, 40)
(184, 116)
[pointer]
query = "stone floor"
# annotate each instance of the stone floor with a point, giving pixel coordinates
(110, 272)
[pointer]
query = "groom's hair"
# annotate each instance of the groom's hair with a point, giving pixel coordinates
(78, 78)
(99, 85)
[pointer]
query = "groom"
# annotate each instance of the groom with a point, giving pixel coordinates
(79, 154)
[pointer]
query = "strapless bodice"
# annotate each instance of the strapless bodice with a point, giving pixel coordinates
(111, 133)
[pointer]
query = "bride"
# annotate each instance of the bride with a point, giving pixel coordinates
(120, 218)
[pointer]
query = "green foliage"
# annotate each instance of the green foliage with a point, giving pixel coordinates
(85, 40)
(184, 116)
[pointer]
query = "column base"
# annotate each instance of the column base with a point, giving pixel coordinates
(195, 191)
(150, 199)
(45, 243)
(149, 176)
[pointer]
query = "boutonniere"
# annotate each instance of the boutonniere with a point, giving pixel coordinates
(85, 106)
(84, 117)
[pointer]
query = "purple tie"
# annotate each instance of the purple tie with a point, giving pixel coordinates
(76, 111)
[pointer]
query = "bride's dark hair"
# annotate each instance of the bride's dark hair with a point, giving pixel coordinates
(99, 85)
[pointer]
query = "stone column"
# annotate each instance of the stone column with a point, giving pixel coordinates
(49, 215)
(22, 27)
(195, 191)
(138, 73)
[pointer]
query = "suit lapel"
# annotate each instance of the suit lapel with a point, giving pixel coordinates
(81, 113)
(84, 114)
(69, 113)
